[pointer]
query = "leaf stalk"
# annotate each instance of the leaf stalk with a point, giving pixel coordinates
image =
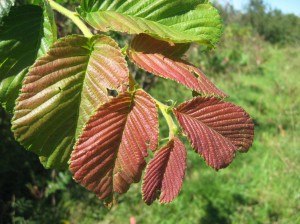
(72, 16)
(165, 110)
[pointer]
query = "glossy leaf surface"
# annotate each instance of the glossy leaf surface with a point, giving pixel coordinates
(165, 173)
(110, 153)
(164, 59)
(24, 34)
(62, 90)
(216, 129)
(176, 21)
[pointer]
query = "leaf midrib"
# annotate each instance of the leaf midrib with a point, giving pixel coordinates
(123, 128)
(133, 17)
(210, 128)
(90, 45)
(126, 14)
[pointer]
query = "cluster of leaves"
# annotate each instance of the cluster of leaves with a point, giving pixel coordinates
(75, 104)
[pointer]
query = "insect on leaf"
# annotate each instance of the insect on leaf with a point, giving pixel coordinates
(165, 173)
(216, 129)
(164, 59)
(110, 153)
(62, 90)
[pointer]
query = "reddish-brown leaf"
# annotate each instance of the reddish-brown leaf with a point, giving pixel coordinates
(165, 172)
(110, 153)
(163, 59)
(216, 129)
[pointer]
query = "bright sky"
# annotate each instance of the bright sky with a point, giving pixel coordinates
(286, 6)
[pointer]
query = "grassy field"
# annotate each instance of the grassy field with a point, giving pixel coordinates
(261, 186)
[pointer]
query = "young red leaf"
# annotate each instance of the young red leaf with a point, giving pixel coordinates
(163, 59)
(110, 153)
(165, 172)
(216, 129)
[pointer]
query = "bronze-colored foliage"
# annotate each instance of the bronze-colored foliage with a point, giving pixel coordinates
(79, 108)
(110, 153)
(165, 173)
(164, 59)
(216, 129)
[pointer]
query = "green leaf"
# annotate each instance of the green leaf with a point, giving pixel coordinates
(27, 32)
(49, 30)
(171, 20)
(61, 91)
(5, 6)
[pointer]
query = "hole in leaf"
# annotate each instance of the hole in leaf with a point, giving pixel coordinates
(147, 143)
(195, 74)
(112, 92)
(195, 93)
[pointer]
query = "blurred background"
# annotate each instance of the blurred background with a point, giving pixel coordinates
(257, 63)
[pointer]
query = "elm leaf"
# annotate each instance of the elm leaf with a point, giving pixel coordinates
(62, 90)
(176, 21)
(110, 153)
(164, 59)
(165, 173)
(216, 129)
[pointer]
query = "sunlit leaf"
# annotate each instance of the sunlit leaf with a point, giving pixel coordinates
(176, 21)
(5, 6)
(110, 153)
(164, 59)
(62, 90)
(27, 32)
(164, 173)
(216, 129)
(49, 30)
